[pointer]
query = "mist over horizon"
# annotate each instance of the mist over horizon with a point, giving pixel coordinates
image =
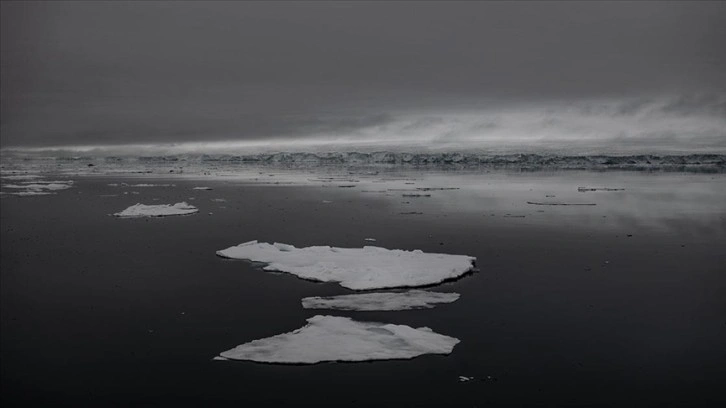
(221, 77)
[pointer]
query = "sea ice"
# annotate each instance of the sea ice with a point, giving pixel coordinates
(334, 338)
(21, 177)
(150, 185)
(542, 203)
(364, 268)
(40, 186)
(162, 210)
(202, 188)
(31, 193)
(412, 299)
(586, 189)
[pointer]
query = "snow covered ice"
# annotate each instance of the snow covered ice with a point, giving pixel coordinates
(412, 299)
(364, 268)
(39, 187)
(162, 210)
(333, 338)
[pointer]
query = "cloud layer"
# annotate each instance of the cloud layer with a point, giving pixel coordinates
(129, 73)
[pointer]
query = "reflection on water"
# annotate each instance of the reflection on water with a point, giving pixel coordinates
(685, 203)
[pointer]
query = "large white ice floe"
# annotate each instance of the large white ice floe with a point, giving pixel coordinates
(162, 210)
(334, 338)
(412, 299)
(364, 268)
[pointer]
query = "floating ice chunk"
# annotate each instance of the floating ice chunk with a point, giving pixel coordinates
(413, 299)
(355, 268)
(586, 189)
(162, 210)
(31, 193)
(39, 186)
(543, 203)
(369, 239)
(21, 177)
(463, 378)
(202, 188)
(333, 338)
(149, 185)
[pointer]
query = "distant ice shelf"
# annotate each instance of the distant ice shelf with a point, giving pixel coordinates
(412, 299)
(333, 338)
(364, 268)
(162, 210)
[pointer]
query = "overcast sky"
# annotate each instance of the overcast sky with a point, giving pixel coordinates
(644, 74)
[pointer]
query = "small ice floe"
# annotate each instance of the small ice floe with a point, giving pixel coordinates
(139, 185)
(369, 239)
(42, 186)
(326, 201)
(21, 177)
(162, 210)
(542, 203)
(334, 338)
(355, 268)
(202, 188)
(415, 195)
(436, 188)
(412, 299)
(586, 189)
(463, 378)
(218, 200)
(39, 187)
(31, 193)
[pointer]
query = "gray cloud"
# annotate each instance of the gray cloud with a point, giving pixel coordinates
(132, 72)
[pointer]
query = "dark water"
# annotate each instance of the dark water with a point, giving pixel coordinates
(567, 308)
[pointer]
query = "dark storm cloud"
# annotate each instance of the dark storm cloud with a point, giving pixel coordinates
(128, 72)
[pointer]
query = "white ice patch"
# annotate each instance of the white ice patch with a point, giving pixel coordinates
(21, 177)
(42, 186)
(355, 268)
(333, 338)
(151, 185)
(31, 193)
(202, 188)
(140, 185)
(162, 210)
(38, 187)
(412, 299)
